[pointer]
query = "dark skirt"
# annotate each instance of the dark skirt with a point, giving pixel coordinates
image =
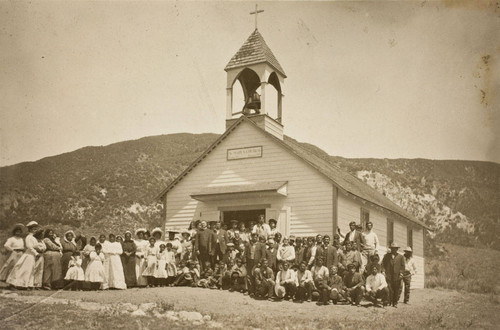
(52, 269)
(128, 263)
(66, 257)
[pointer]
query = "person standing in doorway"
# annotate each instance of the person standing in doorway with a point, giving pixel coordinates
(262, 228)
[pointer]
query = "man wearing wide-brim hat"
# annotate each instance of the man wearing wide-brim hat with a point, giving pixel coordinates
(410, 270)
(393, 266)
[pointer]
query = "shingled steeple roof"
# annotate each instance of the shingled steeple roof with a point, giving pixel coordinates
(254, 51)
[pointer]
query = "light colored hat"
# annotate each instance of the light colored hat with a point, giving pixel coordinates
(156, 230)
(229, 244)
(140, 230)
(408, 249)
(394, 245)
(32, 224)
(280, 291)
(270, 241)
(69, 232)
(127, 232)
(185, 231)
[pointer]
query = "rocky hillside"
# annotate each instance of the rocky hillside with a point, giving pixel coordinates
(111, 188)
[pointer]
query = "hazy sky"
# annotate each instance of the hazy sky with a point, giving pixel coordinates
(384, 79)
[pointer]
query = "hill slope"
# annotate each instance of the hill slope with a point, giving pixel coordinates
(101, 188)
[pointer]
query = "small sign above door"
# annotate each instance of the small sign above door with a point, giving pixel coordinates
(242, 153)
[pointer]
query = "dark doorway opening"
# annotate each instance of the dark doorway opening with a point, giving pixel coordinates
(244, 216)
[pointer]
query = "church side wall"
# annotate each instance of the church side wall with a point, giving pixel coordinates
(309, 193)
(350, 210)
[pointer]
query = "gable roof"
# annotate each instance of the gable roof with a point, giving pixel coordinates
(340, 178)
(254, 51)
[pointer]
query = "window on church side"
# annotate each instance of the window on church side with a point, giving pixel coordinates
(409, 236)
(365, 217)
(390, 232)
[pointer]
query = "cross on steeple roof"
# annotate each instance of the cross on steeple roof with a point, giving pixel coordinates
(256, 13)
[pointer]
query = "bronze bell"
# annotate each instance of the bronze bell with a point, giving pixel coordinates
(253, 102)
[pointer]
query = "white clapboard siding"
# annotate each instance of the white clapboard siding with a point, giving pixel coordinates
(350, 210)
(309, 193)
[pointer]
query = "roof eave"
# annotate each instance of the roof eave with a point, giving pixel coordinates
(227, 68)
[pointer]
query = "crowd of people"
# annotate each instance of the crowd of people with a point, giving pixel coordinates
(255, 260)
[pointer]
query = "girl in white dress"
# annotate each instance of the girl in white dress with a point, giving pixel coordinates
(141, 245)
(86, 252)
(161, 265)
(75, 274)
(95, 269)
(15, 248)
(21, 275)
(115, 279)
(150, 262)
(170, 265)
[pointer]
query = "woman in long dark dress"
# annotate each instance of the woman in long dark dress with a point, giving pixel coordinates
(52, 261)
(68, 249)
(128, 260)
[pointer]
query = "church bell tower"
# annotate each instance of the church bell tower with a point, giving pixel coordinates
(255, 68)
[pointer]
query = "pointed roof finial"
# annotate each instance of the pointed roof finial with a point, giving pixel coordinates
(256, 13)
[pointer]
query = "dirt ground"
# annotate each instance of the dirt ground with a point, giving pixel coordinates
(429, 308)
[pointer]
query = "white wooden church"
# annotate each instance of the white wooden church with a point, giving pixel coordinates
(253, 169)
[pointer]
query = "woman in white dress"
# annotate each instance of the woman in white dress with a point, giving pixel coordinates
(115, 278)
(39, 260)
(21, 275)
(141, 245)
(15, 247)
(95, 269)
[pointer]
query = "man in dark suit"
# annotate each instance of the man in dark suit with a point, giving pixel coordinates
(354, 236)
(271, 254)
(329, 253)
(220, 240)
(393, 266)
(203, 244)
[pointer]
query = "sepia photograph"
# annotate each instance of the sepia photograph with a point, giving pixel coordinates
(250, 164)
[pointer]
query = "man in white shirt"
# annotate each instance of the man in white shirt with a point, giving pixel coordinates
(371, 241)
(286, 282)
(314, 248)
(305, 283)
(376, 287)
(286, 252)
(262, 228)
(410, 270)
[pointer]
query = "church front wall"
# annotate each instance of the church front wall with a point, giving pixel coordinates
(309, 193)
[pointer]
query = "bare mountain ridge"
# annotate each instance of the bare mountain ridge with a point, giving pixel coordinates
(98, 189)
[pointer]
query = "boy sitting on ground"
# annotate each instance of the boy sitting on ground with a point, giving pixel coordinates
(264, 282)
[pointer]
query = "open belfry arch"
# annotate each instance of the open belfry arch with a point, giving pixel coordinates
(257, 70)
(254, 170)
